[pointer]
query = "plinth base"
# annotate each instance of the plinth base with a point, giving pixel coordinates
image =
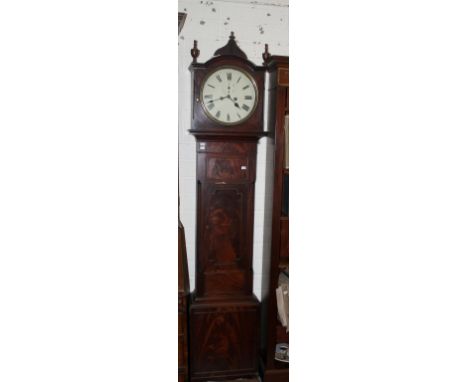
(224, 339)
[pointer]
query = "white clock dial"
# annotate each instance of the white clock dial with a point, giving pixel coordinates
(229, 96)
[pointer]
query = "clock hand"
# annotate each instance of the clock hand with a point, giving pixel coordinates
(234, 101)
(217, 99)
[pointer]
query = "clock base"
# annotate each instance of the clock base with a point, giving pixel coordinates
(224, 339)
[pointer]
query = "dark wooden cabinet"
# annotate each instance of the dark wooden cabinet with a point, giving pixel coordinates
(278, 233)
(224, 314)
(183, 292)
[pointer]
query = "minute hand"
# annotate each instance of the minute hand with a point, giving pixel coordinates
(217, 99)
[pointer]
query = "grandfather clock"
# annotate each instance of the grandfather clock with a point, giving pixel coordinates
(227, 121)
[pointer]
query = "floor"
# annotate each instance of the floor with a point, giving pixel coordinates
(245, 380)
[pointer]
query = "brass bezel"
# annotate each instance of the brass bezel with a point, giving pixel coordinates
(213, 118)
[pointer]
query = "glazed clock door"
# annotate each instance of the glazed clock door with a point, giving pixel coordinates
(229, 95)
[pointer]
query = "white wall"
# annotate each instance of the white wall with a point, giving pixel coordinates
(210, 23)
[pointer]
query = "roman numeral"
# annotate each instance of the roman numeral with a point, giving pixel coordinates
(218, 113)
(239, 115)
(228, 117)
(209, 96)
(211, 86)
(210, 105)
(245, 87)
(219, 78)
(238, 79)
(248, 97)
(229, 76)
(245, 107)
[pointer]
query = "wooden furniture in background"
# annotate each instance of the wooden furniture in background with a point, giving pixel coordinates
(184, 291)
(278, 108)
(224, 314)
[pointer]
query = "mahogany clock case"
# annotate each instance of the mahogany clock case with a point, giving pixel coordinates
(224, 314)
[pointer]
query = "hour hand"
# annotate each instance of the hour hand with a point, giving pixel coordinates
(234, 101)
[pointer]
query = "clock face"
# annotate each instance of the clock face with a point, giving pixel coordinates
(229, 96)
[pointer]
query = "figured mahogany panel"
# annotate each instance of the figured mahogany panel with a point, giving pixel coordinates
(223, 226)
(226, 282)
(226, 340)
(224, 257)
(226, 161)
(225, 168)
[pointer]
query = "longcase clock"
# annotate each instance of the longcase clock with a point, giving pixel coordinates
(227, 121)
